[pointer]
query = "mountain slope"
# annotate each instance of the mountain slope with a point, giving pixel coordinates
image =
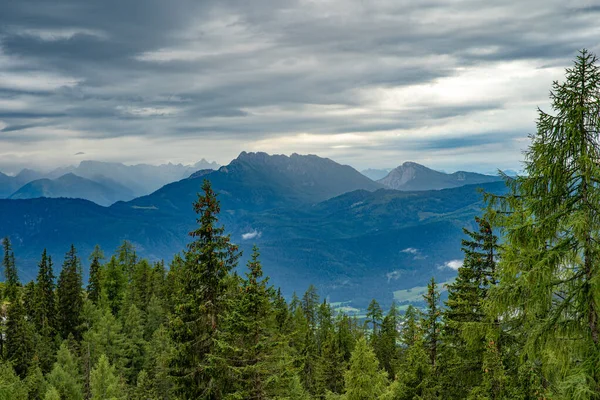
(258, 181)
(413, 176)
(73, 186)
(354, 246)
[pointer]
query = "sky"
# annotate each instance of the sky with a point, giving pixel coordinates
(370, 83)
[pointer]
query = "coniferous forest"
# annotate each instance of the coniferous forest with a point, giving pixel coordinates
(522, 318)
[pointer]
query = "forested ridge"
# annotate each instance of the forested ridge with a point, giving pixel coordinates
(521, 320)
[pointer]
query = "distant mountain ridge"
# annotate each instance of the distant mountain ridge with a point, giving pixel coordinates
(412, 176)
(72, 186)
(113, 181)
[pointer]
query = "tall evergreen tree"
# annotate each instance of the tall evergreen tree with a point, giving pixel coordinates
(248, 344)
(431, 321)
(466, 324)
(11, 277)
(374, 316)
(94, 287)
(44, 297)
(387, 350)
(200, 298)
(19, 338)
(70, 296)
(549, 270)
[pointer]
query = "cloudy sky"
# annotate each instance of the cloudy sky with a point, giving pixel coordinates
(370, 83)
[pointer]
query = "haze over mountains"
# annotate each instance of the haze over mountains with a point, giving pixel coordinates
(315, 221)
(101, 182)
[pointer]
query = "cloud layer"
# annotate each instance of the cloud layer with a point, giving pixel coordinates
(452, 84)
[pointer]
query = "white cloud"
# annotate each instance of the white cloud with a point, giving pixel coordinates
(410, 250)
(452, 264)
(394, 275)
(54, 35)
(251, 235)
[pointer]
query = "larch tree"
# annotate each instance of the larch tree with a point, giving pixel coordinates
(549, 271)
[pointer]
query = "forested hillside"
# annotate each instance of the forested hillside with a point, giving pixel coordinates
(521, 321)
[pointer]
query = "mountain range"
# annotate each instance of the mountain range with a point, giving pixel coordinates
(413, 176)
(314, 220)
(101, 182)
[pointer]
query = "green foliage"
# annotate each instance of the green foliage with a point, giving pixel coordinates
(105, 383)
(94, 288)
(65, 376)
(70, 296)
(19, 345)
(11, 387)
(11, 277)
(549, 274)
(199, 298)
(364, 380)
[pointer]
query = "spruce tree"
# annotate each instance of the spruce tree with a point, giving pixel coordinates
(44, 316)
(200, 298)
(466, 323)
(431, 321)
(549, 269)
(247, 346)
(19, 338)
(70, 296)
(386, 349)
(11, 277)
(94, 287)
(374, 316)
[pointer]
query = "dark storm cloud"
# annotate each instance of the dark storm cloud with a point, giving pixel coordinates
(256, 70)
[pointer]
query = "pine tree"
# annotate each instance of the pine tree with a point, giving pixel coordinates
(549, 270)
(94, 287)
(200, 297)
(70, 297)
(11, 277)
